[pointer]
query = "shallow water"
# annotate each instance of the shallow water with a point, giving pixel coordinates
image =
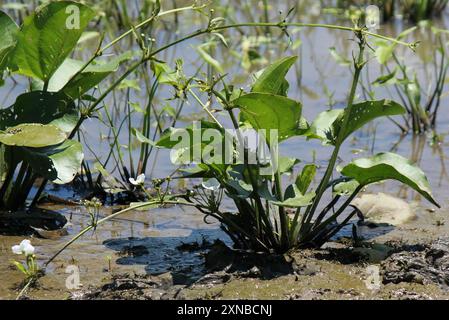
(158, 233)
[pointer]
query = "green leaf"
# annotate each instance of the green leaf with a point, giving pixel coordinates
(91, 76)
(346, 188)
(287, 164)
(294, 198)
(59, 164)
(142, 138)
(306, 177)
(41, 107)
(272, 80)
(163, 73)
(48, 37)
(32, 135)
(271, 112)
(323, 126)
(187, 149)
(364, 112)
(8, 30)
(386, 166)
(386, 79)
(327, 125)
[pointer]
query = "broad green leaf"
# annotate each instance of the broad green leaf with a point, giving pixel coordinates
(384, 51)
(294, 198)
(163, 73)
(366, 111)
(266, 111)
(8, 30)
(306, 177)
(386, 166)
(48, 36)
(40, 107)
(345, 188)
(59, 164)
(32, 135)
(287, 164)
(192, 144)
(323, 126)
(91, 76)
(327, 125)
(272, 80)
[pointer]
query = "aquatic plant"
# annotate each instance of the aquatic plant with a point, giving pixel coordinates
(37, 130)
(262, 220)
(414, 10)
(421, 100)
(30, 268)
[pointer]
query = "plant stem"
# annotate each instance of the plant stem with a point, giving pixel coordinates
(358, 66)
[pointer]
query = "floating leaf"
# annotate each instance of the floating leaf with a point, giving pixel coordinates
(32, 135)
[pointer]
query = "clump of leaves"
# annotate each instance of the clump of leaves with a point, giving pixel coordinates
(269, 217)
(36, 131)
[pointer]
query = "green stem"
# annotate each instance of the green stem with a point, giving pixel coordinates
(114, 215)
(358, 66)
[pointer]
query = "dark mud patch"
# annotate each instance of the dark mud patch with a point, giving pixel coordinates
(423, 264)
(133, 287)
(23, 223)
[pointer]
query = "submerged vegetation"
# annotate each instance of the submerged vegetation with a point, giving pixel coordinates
(150, 101)
(415, 10)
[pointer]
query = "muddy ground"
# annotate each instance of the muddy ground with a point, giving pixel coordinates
(172, 254)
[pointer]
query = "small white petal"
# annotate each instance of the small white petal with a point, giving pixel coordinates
(24, 243)
(211, 184)
(16, 249)
(133, 181)
(141, 178)
(28, 249)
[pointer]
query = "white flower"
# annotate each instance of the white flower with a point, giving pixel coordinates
(24, 247)
(139, 181)
(211, 184)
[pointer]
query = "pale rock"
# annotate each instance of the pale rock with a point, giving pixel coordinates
(382, 208)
